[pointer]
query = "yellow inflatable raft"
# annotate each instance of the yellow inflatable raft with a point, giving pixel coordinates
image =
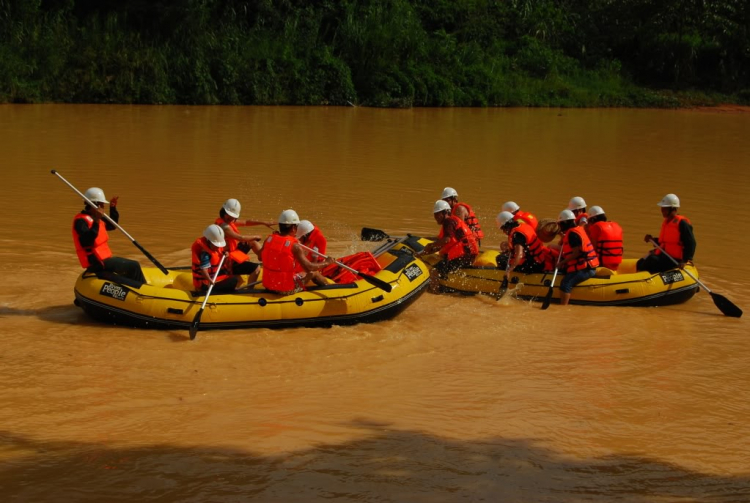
(626, 287)
(168, 301)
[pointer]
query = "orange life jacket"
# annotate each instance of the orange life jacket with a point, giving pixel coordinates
(535, 249)
(201, 245)
(236, 256)
(581, 216)
(608, 238)
(471, 220)
(364, 262)
(587, 259)
(100, 249)
(279, 263)
(463, 243)
(317, 242)
(529, 218)
(669, 237)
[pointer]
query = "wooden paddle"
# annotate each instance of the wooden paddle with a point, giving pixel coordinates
(548, 297)
(107, 217)
(724, 304)
(197, 320)
(370, 279)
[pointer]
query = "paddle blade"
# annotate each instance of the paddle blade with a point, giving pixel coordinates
(376, 282)
(547, 299)
(503, 289)
(369, 234)
(726, 306)
(196, 324)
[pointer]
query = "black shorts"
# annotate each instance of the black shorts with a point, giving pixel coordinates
(245, 268)
(445, 266)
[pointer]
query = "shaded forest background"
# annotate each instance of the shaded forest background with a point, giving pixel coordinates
(395, 53)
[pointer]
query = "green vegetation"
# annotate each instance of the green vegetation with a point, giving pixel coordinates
(393, 53)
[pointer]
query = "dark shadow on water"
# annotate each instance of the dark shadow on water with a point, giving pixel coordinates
(385, 465)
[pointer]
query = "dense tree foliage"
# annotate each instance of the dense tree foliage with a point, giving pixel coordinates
(376, 52)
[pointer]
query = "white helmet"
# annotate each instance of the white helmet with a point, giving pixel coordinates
(449, 192)
(215, 234)
(596, 210)
(289, 217)
(668, 201)
(304, 227)
(441, 205)
(577, 203)
(566, 215)
(511, 206)
(232, 208)
(503, 218)
(96, 195)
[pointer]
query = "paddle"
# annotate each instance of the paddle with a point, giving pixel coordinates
(504, 284)
(724, 304)
(370, 279)
(107, 217)
(548, 297)
(369, 234)
(197, 319)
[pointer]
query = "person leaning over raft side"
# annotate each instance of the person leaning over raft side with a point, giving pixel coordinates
(520, 215)
(579, 260)
(606, 238)
(676, 237)
(206, 256)
(464, 212)
(281, 253)
(456, 243)
(310, 235)
(578, 206)
(91, 238)
(527, 252)
(239, 245)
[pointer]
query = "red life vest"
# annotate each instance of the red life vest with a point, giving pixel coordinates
(471, 220)
(580, 217)
(535, 250)
(279, 263)
(587, 258)
(462, 244)
(100, 248)
(236, 256)
(529, 218)
(364, 262)
(317, 242)
(608, 239)
(669, 237)
(201, 245)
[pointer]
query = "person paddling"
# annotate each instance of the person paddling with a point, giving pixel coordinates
(464, 212)
(207, 251)
(520, 215)
(526, 252)
(578, 259)
(91, 239)
(578, 206)
(238, 245)
(676, 237)
(310, 235)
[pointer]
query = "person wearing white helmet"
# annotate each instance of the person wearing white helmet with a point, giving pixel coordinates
(676, 237)
(238, 245)
(606, 237)
(310, 235)
(456, 243)
(464, 212)
(91, 239)
(281, 255)
(578, 206)
(519, 214)
(526, 252)
(577, 256)
(206, 252)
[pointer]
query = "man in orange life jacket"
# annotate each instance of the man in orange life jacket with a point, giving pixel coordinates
(310, 235)
(676, 237)
(238, 245)
(464, 212)
(281, 253)
(206, 256)
(520, 215)
(527, 254)
(90, 238)
(578, 206)
(578, 259)
(606, 237)
(456, 243)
